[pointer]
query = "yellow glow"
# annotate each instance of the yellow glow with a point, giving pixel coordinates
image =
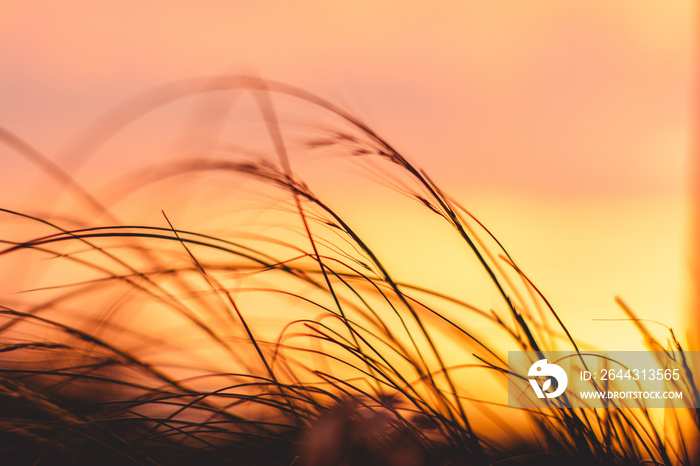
(565, 129)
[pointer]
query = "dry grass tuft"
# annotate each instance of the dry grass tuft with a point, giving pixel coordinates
(275, 334)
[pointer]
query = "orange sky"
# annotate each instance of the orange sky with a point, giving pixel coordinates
(565, 127)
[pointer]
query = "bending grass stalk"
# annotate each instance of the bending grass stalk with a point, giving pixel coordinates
(366, 376)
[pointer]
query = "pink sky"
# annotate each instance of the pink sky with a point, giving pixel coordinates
(544, 97)
(565, 126)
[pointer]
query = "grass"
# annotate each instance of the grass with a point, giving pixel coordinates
(276, 335)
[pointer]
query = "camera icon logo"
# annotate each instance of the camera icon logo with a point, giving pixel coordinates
(551, 371)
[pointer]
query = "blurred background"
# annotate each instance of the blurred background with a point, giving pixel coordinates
(565, 127)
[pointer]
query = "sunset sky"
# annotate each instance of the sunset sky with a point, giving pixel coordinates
(564, 126)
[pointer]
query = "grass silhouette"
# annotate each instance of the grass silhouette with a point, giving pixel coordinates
(300, 346)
